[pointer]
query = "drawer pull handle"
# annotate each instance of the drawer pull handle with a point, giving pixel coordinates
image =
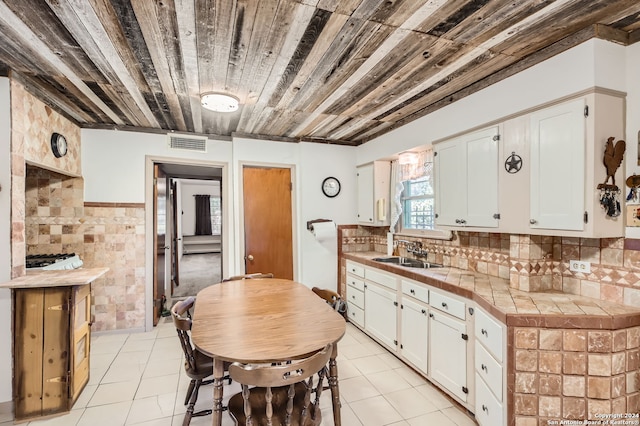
(353, 296)
(412, 291)
(444, 305)
(484, 367)
(485, 408)
(483, 331)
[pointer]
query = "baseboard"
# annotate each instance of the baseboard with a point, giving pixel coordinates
(6, 411)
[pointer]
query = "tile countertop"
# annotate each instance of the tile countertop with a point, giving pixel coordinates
(56, 278)
(548, 309)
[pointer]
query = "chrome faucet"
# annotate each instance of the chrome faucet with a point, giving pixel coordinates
(414, 247)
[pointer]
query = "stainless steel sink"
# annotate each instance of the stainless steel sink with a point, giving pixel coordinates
(407, 262)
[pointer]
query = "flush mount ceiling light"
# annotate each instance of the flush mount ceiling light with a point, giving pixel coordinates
(219, 102)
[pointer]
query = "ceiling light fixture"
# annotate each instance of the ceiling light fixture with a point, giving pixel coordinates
(219, 102)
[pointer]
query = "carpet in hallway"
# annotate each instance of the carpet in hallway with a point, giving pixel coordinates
(197, 271)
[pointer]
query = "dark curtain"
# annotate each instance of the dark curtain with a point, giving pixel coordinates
(203, 215)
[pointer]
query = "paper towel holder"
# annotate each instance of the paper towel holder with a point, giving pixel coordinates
(311, 222)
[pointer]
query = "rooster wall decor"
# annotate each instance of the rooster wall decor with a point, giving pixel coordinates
(609, 194)
(613, 155)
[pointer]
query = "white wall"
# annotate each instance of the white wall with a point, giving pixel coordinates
(592, 63)
(319, 264)
(114, 171)
(189, 188)
(5, 244)
(113, 162)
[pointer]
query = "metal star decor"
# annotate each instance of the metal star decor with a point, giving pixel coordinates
(513, 163)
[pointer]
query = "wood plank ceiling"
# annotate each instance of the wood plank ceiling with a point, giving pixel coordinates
(336, 71)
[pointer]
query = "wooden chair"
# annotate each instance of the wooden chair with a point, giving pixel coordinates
(198, 366)
(255, 275)
(282, 392)
(331, 297)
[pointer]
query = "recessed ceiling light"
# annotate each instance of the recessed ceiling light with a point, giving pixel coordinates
(219, 102)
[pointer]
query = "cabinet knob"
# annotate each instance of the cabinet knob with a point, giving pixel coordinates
(533, 221)
(444, 305)
(485, 408)
(430, 315)
(424, 311)
(483, 367)
(483, 331)
(412, 291)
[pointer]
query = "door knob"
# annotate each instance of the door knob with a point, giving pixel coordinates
(249, 257)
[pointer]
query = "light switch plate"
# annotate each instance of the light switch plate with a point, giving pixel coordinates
(580, 266)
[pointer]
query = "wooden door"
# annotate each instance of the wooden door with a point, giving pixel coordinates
(175, 258)
(81, 339)
(159, 246)
(268, 221)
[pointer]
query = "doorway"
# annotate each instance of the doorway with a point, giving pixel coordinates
(189, 261)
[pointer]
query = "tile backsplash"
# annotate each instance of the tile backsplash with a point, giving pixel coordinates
(529, 262)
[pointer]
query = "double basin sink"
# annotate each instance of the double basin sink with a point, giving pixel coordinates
(407, 262)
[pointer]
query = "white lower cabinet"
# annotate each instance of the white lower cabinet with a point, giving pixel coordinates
(380, 315)
(448, 348)
(445, 337)
(490, 368)
(414, 333)
(489, 412)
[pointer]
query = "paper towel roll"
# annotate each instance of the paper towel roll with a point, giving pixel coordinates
(324, 230)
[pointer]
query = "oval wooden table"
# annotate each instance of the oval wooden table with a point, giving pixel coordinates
(262, 321)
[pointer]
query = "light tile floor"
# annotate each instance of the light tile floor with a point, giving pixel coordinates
(139, 379)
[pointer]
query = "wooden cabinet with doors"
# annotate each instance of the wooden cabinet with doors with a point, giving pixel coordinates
(51, 340)
(374, 193)
(466, 180)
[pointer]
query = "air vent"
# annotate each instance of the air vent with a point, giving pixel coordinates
(189, 143)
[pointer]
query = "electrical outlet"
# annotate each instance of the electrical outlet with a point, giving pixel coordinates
(580, 266)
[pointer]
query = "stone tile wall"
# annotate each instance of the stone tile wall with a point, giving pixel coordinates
(102, 234)
(529, 262)
(568, 374)
(114, 236)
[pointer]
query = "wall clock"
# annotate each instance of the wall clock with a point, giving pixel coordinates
(331, 187)
(58, 145)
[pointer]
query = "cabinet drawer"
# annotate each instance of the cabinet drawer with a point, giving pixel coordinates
(490, 371)
(447, 304)
(354, 282)
(489, 411)
(415, 290)
(489, 332)
(355, 269)
(356, 315)
(355, 297)
(381, 278)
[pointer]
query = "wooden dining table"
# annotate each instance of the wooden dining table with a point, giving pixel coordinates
(264, 321)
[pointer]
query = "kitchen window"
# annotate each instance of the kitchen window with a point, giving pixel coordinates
(418, 203)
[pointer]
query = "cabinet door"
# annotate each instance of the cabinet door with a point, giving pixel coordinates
(448, 183)
(467, 180)
(558, 167)
(414, 324)
(481, 166)
(81, 325)
(365, 193)
(448, 351)
(380, 314)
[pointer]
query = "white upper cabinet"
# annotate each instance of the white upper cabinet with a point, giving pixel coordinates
(466, 179)
(562, 149)
(542, 175)
(373, 181)
(558, 166)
